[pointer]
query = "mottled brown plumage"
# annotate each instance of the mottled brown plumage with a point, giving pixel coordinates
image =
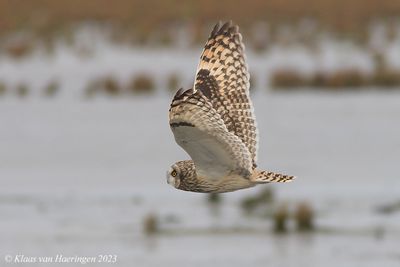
(214, 122)
(223, 77)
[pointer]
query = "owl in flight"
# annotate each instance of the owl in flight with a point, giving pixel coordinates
(214, 122)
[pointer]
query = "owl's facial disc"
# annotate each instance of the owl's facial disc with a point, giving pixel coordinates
(173, 178)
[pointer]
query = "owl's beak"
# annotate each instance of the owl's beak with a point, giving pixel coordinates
(170, 179)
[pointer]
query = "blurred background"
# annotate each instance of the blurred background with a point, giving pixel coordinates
(85, 88)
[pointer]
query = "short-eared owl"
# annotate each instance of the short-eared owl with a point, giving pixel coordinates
(214, 122)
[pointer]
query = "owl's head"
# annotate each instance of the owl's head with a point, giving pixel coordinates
(182, 175)
(173, 176)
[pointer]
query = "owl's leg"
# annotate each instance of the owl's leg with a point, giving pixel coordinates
(270, 177)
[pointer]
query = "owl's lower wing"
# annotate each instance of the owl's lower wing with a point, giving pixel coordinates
(201, 132)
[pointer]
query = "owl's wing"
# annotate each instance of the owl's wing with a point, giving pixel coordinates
(201, 132)
(223, 77)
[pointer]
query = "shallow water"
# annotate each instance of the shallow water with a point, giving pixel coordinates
(78, 178)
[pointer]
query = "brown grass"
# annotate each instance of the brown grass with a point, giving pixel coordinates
(386, 78)
(47, 16)
(304, 216)
(19, 48)
(339, 79)
(384, 75)
(141, 84)
(103, 85)
(150, 224)
(288, 79)
(109, 85)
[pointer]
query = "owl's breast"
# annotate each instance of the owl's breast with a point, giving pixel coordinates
(232, 182)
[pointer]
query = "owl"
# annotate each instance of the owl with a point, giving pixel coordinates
(214, 122)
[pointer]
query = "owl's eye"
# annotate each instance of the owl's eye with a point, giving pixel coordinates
(174, 173)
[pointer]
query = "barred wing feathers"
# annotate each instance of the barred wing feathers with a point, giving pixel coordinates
(223, 78)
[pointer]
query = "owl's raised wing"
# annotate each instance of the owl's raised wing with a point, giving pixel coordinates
(201, 132)
(223, 77)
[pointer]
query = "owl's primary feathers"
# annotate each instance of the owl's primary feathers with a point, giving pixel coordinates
(214, 122)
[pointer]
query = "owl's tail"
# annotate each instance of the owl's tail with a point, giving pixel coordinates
(270, 177)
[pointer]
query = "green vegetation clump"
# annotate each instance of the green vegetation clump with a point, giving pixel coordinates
(51, 89)
(214, 198)
(281, 216)
(261, 200)
(3, 88)
(22, 90)
(91, 89)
